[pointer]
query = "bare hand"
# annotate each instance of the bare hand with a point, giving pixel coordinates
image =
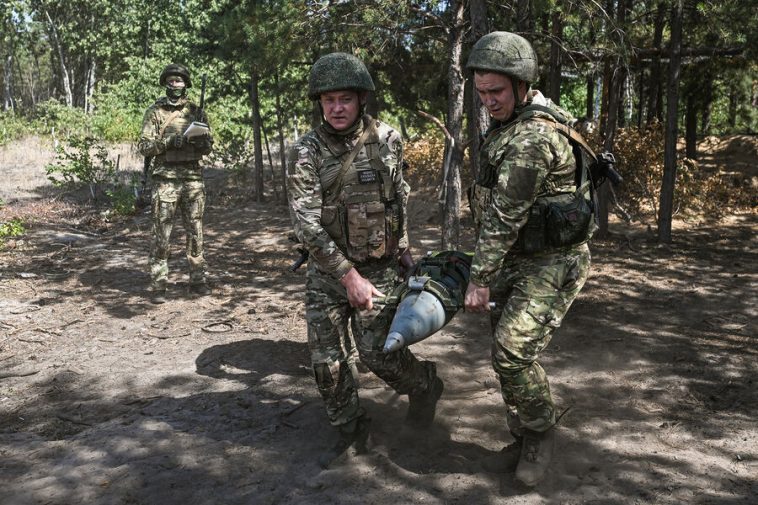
(477, 298)
(360, 291)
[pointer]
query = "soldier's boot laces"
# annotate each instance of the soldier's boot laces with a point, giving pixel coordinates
(355, 433)
(423, 407)
(536, 453)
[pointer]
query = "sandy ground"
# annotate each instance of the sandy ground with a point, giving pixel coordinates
(107, 399)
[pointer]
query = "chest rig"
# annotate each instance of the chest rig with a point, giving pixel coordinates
(564, 213)
(360, 210)
(176, 122)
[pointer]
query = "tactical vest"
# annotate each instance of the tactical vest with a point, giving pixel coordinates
(565, 217)
(360, 209)
(178, 123)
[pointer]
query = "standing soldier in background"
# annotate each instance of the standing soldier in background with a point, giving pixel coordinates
(533, 264)
(348, 203)
(177, 178)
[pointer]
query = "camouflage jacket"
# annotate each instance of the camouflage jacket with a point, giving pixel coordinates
(169, 163)
(355, 219)
(519, 162)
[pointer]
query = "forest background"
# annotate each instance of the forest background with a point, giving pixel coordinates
(644, 73)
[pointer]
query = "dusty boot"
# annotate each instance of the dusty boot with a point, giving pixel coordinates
(158, 296)
(355, 433)
(536, 453)
(503, 461)
(200, 288)
(422, 407)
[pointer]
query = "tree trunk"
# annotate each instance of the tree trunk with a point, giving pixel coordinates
(524, 16)
(478, 117)
(67, 85)
(7, 80)
(655, 95)
(89, 107)
(270, 164)
(256, 107)
(280, 130)
(665, 212)
(554, 70)
(690, 122)
(733, 101)
(641, 95)
(590, 105)
(707, 102)
(454, 149)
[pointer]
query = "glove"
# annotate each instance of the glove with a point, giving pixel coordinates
(174, 141)
(202, 143)
(405, 264)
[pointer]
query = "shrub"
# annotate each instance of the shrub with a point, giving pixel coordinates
(84, 161)
(424, 157)
(122, 199)
(12, 228)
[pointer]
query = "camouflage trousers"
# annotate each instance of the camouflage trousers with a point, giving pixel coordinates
(328, 314)
(189, 198)
(532, 295)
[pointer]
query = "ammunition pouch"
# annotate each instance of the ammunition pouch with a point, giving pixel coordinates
(555, 222)
(364, 231)
(188, 152)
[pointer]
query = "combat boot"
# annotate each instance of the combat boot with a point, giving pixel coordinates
(200, 288)
(536, 453)
(422, 407)
(158, 296)
(355, 433)
(503, 461)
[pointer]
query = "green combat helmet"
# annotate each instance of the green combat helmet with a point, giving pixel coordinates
(176, 69)
(338, 71)
(505, 53)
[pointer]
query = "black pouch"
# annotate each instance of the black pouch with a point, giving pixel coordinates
(532, 236)
(568, 220)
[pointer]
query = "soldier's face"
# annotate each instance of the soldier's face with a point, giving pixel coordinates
(496, 92)
(341, 108)
(175, 82)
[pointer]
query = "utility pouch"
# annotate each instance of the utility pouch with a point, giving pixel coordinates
(532, 236)
(366, 228)
(186, 153)
(568, 220)
(331, 220)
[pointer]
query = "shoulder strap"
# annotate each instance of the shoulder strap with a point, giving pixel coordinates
(351, 157)
(165, 124)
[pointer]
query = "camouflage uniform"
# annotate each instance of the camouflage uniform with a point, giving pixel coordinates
(177, 181)
(357, 220)
(522, 162)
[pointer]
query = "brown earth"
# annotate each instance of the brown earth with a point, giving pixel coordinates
(107, 399)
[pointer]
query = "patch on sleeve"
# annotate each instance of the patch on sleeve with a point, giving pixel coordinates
(521, 182)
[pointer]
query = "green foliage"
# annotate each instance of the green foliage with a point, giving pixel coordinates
(122, 199)
(12, 228)
(56, 118)
(574, 96)
(13, 126)
(83, 161)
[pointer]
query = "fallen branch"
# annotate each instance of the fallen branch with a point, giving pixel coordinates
(211, 328)
(25, 373)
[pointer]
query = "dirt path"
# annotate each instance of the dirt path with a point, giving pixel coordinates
(106, 399)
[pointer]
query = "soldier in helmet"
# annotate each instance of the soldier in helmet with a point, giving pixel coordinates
(177, 178)
(526, 168)
(348, 201)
